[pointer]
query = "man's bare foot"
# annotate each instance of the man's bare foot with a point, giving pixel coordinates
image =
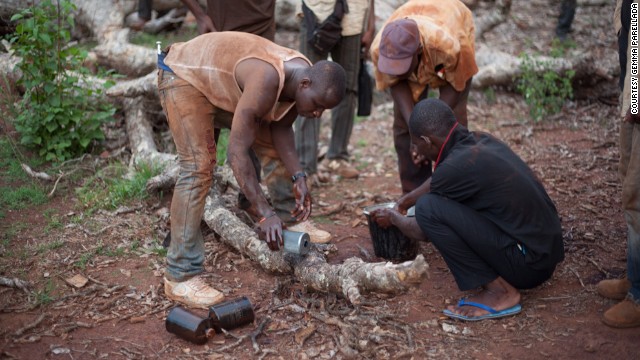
(498, 294)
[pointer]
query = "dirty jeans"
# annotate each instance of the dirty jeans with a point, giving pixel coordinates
(191, 119)
(630, 177)
(307, 130)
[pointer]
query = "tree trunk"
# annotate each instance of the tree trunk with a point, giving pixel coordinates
(351, 278)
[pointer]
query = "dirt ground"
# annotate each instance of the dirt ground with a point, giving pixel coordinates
(120, 311)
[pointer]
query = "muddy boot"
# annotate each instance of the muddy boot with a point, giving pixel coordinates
(316, 235)
(616, 289)
(193, 292)
(625, 314)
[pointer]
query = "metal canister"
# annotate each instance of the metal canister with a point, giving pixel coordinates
(189, 326)
(231, 314)
(296, 242)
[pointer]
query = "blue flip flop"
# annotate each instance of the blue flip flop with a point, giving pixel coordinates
(493, 313)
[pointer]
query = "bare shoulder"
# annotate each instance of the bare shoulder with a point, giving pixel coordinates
(256, 71)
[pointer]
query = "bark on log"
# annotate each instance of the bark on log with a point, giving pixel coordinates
(499, 13)
(118, 53)
(142, 86)
(141, 139)
(500, 68)
(351, 278)
(9, 72)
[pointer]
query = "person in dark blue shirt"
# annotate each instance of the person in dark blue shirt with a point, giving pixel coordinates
(483, 209)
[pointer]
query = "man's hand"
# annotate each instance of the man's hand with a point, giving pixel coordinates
(631, 118)
(270, 230)
(384, 217)
(303, 200)
(418, 159)
(404, 203)
(205, 25)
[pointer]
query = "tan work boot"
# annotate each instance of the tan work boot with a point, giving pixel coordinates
(616, 289)
(193, 292)
(343, 168)
(624, 314)
(316, 235)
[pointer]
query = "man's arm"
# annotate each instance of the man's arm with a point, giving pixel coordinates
(259, 83)
(403, 99)
(407, 225)
(205, 24)
(370, 29)
(457, 100)
(410, 199)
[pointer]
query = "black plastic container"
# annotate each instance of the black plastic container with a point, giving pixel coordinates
(188, 326)
(231, 314)
(390, 243)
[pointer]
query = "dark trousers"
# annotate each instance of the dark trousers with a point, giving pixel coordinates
(144, 9)
(307, 130)
(475, 249)
(567, 12)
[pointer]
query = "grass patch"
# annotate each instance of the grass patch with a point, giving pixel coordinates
(53, 221)
(27, 191)
(322, 220)
(490, 95)
(103, 250)
(135, 245)
(44, 296)
(109, 188)
(160, 251)
(22, 197)
(42, 248)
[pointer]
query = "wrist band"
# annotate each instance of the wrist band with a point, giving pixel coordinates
(264, 218)
(298, 175)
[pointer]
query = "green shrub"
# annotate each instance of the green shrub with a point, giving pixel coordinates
(56, 115)
(544, 90)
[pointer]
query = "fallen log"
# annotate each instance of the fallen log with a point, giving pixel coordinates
(500, 68)
(350, 279)
(498, 14)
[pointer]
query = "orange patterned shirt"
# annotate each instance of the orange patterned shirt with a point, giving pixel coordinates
(447, 34)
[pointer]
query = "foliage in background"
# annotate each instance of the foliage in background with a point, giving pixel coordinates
(544, 89)
(56, 115)
(109, 188)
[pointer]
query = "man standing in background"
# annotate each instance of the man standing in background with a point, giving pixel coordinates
(424, 44)
(358, 28)
(626, 313)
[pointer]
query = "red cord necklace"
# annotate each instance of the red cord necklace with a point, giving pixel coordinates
(445, 143)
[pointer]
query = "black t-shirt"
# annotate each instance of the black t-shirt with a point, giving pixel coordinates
(483, 173)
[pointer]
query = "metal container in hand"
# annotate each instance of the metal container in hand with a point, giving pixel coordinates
(390, 243)
(296, 242)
